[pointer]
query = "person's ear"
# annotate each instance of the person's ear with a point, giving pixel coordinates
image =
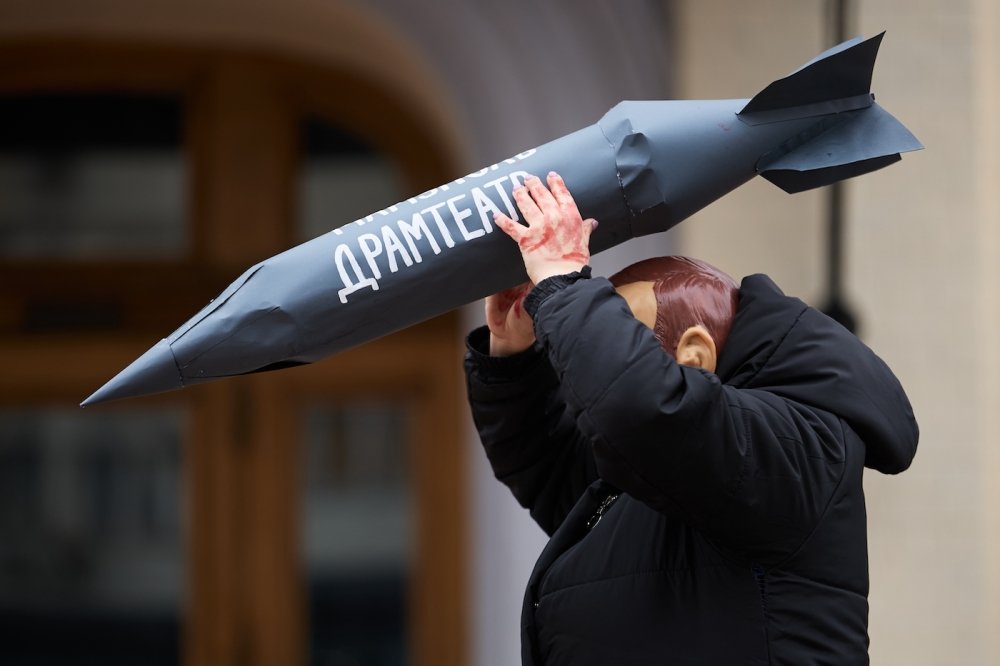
(697, 349)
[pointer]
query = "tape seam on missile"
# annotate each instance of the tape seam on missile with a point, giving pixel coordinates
(246, 324)
(632, 152)
(618, 171)
(617, 147)
(854, 103)
(177, 366)
(220, 301)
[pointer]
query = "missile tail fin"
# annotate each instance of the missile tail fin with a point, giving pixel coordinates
(792, 181)
(853, 144)
(838, 80)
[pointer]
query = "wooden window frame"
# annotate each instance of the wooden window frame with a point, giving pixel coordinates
(244, 602)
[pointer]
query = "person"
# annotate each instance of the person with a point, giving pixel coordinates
(694, 450)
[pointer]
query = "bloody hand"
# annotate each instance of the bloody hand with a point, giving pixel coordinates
(556, 240)
(511, 329)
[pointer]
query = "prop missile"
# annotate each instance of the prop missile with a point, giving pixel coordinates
(641, 169)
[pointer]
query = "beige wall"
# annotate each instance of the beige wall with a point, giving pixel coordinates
(922, 253)
(727, 50)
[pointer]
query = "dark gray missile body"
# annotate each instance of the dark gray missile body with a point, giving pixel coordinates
(641, 169)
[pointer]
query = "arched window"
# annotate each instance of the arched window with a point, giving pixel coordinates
(265, 519)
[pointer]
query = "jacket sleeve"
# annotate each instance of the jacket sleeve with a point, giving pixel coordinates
(747, 468)
(529, 436)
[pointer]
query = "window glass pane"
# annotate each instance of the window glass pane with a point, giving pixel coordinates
(358, 531)
(341, 178)
(91, 176)
(90, 536)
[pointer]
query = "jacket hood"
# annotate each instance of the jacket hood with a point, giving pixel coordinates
(781, 345)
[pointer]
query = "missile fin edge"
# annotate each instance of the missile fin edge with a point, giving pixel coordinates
(843, 73)
(793, 181)
(833, 144)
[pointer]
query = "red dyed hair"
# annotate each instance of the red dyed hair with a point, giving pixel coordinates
(688, 292)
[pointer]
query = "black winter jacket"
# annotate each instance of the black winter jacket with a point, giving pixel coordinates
(738, 533)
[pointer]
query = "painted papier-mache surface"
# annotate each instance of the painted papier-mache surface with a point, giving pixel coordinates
(641, 169)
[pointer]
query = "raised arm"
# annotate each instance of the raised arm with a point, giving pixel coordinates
(747, 467)
(530, 439)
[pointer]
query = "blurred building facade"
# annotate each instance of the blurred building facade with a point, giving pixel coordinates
(341, 513)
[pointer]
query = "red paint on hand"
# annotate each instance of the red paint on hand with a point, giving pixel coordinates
(512, 298)
(577, 256)
(529, 244)
(511, 330)
(556, 239)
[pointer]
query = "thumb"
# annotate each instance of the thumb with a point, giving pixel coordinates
(589, 225)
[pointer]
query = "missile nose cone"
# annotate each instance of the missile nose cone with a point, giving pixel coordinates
(153, 372)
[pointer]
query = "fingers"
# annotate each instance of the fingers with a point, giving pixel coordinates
(526, 203)
(497, 306)
(509, 226)
(554, 225)
(536, 201)
(543, 198)
(500, 305)
(589, 225)
(495, 315)
(561, 193)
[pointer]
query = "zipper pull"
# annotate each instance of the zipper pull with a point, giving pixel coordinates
(601, 510)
